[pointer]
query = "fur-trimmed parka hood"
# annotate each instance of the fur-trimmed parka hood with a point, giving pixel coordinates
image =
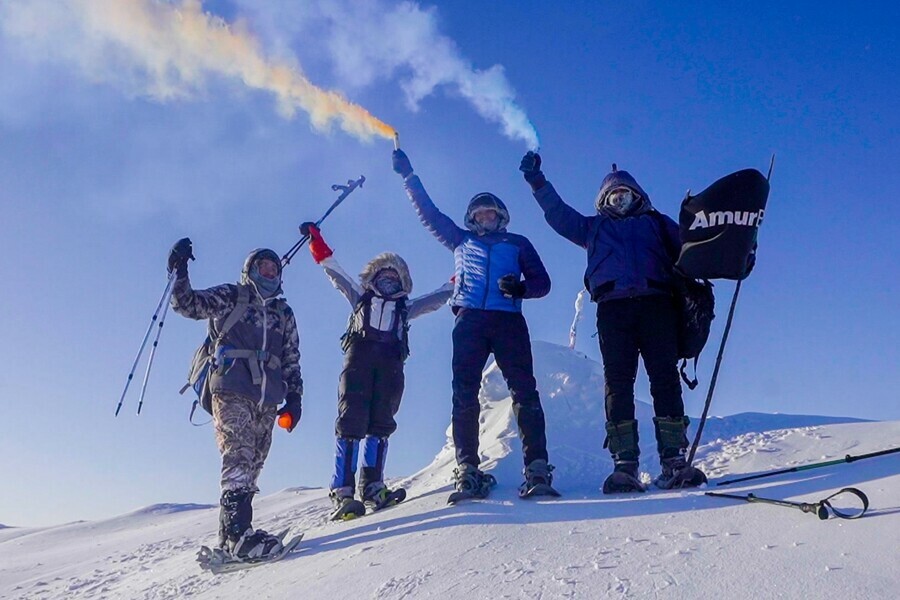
(386, 260)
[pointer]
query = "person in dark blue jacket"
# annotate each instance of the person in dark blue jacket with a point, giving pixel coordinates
(495, 271)
(630, 276)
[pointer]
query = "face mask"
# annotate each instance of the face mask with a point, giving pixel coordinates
(387, 284)
(266, 287)
(621, 200)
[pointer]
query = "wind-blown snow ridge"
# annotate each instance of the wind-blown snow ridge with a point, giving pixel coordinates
(586, 545)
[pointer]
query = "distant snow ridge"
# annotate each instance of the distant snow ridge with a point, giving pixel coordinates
(572, 393)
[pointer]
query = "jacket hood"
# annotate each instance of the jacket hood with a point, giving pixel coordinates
(486, 200)
(253, 257)
(615, 179)
(386, 260)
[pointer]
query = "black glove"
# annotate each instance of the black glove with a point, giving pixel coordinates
(305, 227)
(531, 168)
(292, 407)
(179, 255)
(400, 163)
(511, 286)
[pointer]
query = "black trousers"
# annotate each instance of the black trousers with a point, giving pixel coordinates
(370, 390)
(645, 326)
(476, 335)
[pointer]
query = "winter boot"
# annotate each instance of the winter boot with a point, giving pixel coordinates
(346, 507)
(672, 443)
(236, 534)
(470, 482)
(377, 496)
(538, 480)
(622, 441)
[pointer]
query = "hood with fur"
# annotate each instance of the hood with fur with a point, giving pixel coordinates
(615, 179)
(386, 260)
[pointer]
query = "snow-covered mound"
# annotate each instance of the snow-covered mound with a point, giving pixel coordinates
(585, 545)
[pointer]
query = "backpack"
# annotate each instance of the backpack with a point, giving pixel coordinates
(696, 305)
(205, 356)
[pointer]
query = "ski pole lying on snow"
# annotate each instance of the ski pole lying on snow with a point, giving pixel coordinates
(820, 509)
(345, 190)
(164, 300)
(846, 459)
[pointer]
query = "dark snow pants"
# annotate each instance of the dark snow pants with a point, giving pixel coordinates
(645, 326)
(370, 390)
(476, 335)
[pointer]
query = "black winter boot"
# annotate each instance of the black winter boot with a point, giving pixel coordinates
(622, 441)
(236, 534)
(672, 443)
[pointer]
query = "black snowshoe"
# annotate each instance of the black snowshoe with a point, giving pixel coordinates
(471, 483)
(624, 479)
(677, 474)
(538, 480)
(221, 560)
(346, 507)
(378, 496)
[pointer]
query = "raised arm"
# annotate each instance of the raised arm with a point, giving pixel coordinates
(324, 256)
(430, 302)
(440, 225)
(565, 220)
(213, 303)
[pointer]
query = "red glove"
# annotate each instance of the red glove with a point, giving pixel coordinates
(317, 246)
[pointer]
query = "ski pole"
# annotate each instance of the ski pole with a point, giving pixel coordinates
(164, 299)
(820, 509)
(715, 375)
(846, 459)
(162, 320)
(345, 190)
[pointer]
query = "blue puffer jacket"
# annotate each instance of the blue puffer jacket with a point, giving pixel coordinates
(627, 256)
(481, 259)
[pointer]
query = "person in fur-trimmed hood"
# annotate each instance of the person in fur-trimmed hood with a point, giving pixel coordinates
(375, 347)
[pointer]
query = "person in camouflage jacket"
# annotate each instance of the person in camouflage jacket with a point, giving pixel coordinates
(257, 366)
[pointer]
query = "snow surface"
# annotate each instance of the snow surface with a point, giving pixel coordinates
(584, 545)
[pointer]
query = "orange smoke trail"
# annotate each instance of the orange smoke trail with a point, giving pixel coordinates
(178, 45)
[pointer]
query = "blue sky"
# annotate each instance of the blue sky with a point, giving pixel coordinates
(97, 180)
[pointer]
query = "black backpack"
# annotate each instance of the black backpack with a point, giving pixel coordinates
(696, 307)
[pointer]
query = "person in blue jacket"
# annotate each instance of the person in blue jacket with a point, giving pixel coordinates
(495, 271)
(630, 276)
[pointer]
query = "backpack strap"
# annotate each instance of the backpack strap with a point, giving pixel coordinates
(237, 313)
(691, 383)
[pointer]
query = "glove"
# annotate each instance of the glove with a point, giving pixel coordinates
(179, 255)
(511, 286)
(289, 414)
(317, 246)
(531, 169)
(400, 163)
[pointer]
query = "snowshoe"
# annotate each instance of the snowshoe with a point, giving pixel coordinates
(219, 560)
(382, 497)
(471, 483)
(677, 474)
(538, 480)
(624, 479)
(345, 507)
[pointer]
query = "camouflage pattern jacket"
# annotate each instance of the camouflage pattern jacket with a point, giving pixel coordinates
(268, 328)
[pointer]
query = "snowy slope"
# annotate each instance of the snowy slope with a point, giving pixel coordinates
(586, 545)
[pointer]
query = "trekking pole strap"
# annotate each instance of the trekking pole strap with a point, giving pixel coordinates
(848, 490)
